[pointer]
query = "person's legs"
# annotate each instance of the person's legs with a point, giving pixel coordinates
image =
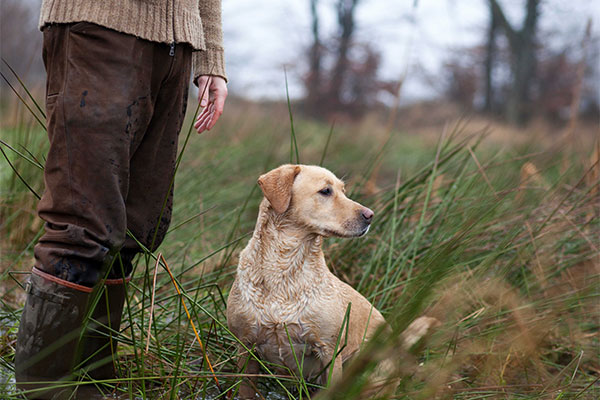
(95, 75)
(149, 202)
(149, 199)
(103, 88)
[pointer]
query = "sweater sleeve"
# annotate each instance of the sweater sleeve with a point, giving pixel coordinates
(212, 60)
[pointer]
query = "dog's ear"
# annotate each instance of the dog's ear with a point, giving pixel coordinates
(277, 184)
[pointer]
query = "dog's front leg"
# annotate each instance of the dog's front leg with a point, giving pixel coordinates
(336, 375)
(336, 372)
(248, 366)
(337, 369)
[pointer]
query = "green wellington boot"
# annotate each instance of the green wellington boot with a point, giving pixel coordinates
(100, 343)
(48, 338)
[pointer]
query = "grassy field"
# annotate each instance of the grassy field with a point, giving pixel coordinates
(496, 239)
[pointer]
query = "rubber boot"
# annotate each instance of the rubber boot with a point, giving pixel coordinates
(47, 346)
(100, 342)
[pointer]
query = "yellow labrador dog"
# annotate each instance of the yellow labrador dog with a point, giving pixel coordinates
(284, 299)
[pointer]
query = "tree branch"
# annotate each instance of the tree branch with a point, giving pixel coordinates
(511, 33)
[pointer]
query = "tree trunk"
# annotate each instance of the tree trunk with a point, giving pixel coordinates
(522, 48)
(313, 80)
(517, 110)
(489, 63)
(345, 10)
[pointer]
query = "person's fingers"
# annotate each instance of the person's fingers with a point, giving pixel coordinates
(220, 97)
(203, 120)
(204, 125)
(213, 119)
(201, 116)
(201, 126)
(203, 112)
(200, 122)
(197, 125)
(212, 92)
(219, 88)
(208, 117)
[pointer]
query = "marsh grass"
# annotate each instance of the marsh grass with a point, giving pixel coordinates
(500, 244)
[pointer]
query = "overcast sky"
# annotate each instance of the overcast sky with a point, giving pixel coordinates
(264, 35)
(415, 37)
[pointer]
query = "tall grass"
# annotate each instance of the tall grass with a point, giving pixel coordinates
(500, 245)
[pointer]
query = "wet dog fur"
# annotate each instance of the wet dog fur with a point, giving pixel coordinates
(284, 291)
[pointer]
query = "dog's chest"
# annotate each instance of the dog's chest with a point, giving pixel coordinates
(287, 331)
(288, 317)
(278, 302)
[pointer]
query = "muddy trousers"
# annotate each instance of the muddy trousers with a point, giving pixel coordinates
(115, 105)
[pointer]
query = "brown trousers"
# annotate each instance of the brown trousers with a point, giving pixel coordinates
(115, 105)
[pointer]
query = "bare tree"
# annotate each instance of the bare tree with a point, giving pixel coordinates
(345, 14)
(342, 71)
(313, 81)
(490, 57)
(523, 64)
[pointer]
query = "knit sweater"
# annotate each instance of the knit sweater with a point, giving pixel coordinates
(196, 22)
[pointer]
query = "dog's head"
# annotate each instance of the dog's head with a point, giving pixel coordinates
(315, 199)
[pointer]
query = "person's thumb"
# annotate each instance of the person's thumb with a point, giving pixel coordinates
(203, 87)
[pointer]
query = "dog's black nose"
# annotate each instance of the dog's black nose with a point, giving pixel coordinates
(367, 214)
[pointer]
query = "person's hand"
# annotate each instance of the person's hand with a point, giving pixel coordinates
(212, 92)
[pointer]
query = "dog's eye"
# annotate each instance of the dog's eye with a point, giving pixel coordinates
(326, 191)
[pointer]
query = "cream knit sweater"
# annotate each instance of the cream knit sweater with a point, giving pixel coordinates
(197, 22)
